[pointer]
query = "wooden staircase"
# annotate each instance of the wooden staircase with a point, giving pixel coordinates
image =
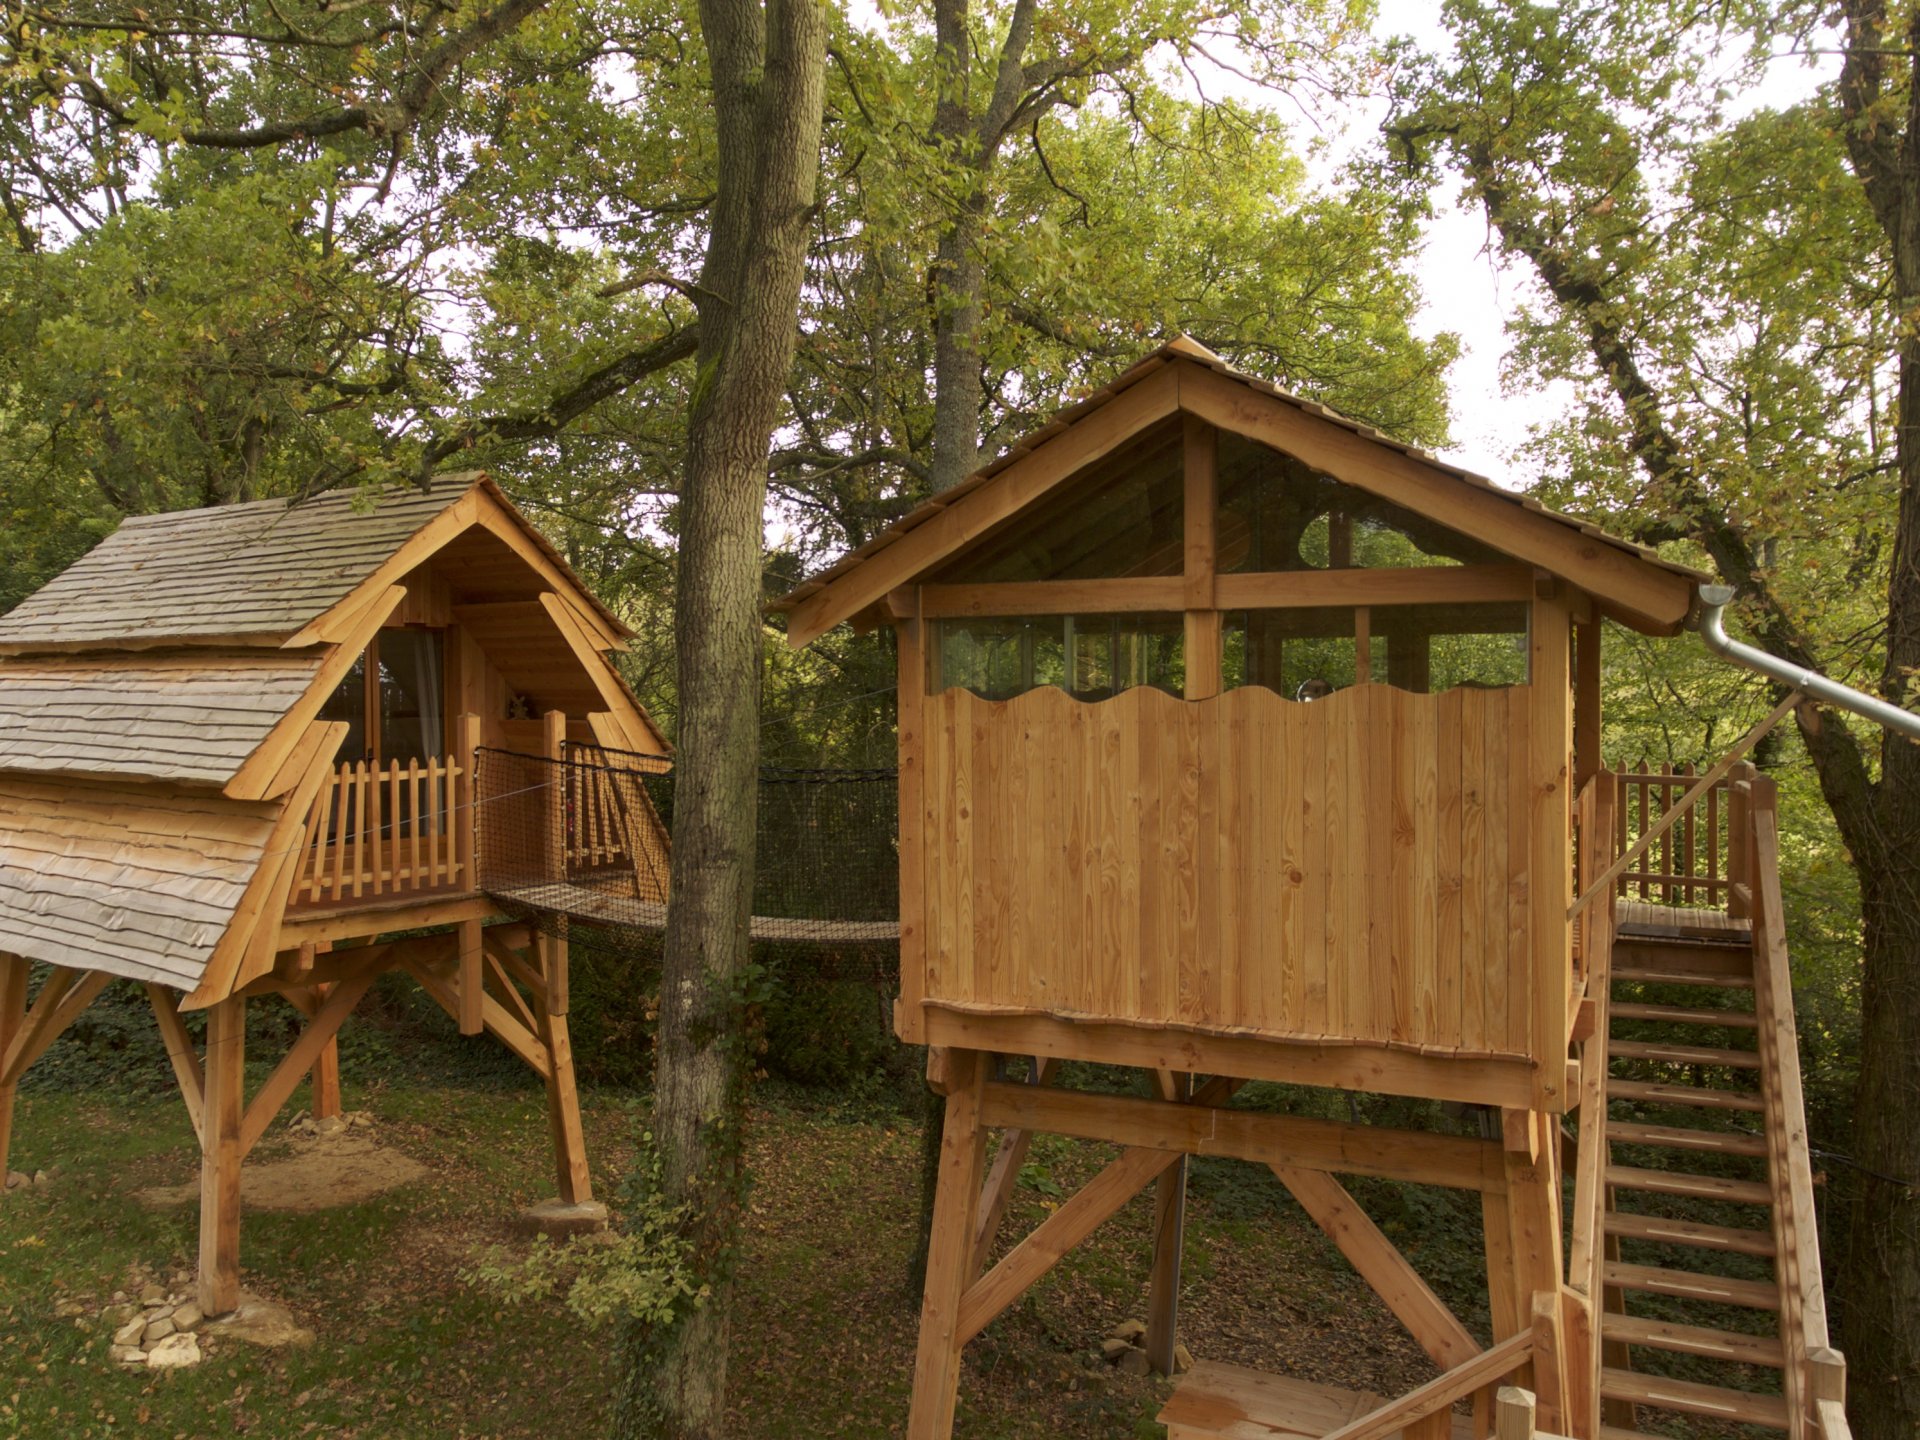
(1693, 1239)
(1691, 1321)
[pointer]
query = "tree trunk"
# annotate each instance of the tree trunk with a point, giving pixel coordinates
(768, 70)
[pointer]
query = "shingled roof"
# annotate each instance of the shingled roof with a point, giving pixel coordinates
(1184, 349)
(192, 717)
(247, 574)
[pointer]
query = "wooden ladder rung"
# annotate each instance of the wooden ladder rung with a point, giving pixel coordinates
(1692, 1285)
(1672, 1137)
(1658, 1092)
(1673, 975)
(1692, 1398)
(1663, 1230)
(1682, 1054)
(1696, 1187)
(1711, 1344)
(1685, 1015)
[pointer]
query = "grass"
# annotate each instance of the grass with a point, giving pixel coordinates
(824, 1327)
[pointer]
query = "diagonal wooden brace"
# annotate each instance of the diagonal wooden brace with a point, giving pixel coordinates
(293, 1067)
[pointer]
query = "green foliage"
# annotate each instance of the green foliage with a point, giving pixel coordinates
(641, 1273)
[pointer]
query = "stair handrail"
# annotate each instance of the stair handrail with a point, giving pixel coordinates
(1815, 1372)
(1706, 782)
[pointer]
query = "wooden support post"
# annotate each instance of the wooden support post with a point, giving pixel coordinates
(963, 1150)
(326, 1067)
(471, 989)
(465, 817)
(563, 1096)
(1586, 702)
(13, 1016)
(1513, 1414)
(1534, 1252)
(1169, 1235)
(220, 1154)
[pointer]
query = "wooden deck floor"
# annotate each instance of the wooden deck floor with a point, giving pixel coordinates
(596, 907)
(1673, 922)
(1230, 1402)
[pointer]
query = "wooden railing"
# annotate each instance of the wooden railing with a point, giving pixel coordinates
(1693, 863)
(379, 832)
(1815, 1372)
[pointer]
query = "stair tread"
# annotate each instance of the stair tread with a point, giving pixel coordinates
(1685, 1015)
(1682, 1054)
(1694, 1398)
(1661, 1092)
(1700, 1340)
(1680, 1182)
(1679, 975)
(1692, 1285)
(1674, 1137)
(1663, 1230)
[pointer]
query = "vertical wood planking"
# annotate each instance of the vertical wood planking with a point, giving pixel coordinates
(911, 709)
(1307, 1005)
(1476, 952)
(1550, 821)
(1444, 1024)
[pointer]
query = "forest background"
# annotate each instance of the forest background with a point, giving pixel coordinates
(266, 247)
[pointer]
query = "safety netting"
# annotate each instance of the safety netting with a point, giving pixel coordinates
(581, 841)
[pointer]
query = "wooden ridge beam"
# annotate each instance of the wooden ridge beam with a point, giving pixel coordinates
(1202, 1128)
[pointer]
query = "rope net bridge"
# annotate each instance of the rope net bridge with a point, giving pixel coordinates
(582, 840)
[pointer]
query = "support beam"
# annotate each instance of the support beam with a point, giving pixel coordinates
(563, 1096)
(293, 1067)
(220, 1154)
(1534, 1253)
(63, 995)
(1169, 1236)
(936, 1373)
(1433, 1326)
(1059, 1233)
(471, 989)
(1002, 1179)
(180, 1053)
(13, 1015)
(326, 1065)
(1202, 1128)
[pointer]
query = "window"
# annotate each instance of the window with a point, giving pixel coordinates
(1088, 656)
(1126, 518)
(1277, 513)
(403, 715)
(1423, 648)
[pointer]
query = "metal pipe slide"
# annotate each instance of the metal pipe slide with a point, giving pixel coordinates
(1711, 624)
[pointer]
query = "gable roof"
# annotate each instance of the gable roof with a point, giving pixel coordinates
(250, 574)
(1633, 583)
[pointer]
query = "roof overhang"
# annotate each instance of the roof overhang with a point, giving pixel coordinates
(1628, 582)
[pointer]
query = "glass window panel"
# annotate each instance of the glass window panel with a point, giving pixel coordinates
(1301, 653)
(1277, 513)
(1124, 517)
(412, 718)
(1089, 656)
(348, 704)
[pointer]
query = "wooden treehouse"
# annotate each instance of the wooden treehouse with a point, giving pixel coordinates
(238, 753)
(1241, 743)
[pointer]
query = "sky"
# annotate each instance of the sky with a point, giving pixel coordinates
(1467, 291)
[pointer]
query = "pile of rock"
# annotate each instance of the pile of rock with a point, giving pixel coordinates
(1126, 1350)
(305, 1125)
(20, 1180)
(154, 1328)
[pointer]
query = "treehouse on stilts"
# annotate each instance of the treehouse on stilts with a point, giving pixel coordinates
(238, 752)
(1241, 743)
